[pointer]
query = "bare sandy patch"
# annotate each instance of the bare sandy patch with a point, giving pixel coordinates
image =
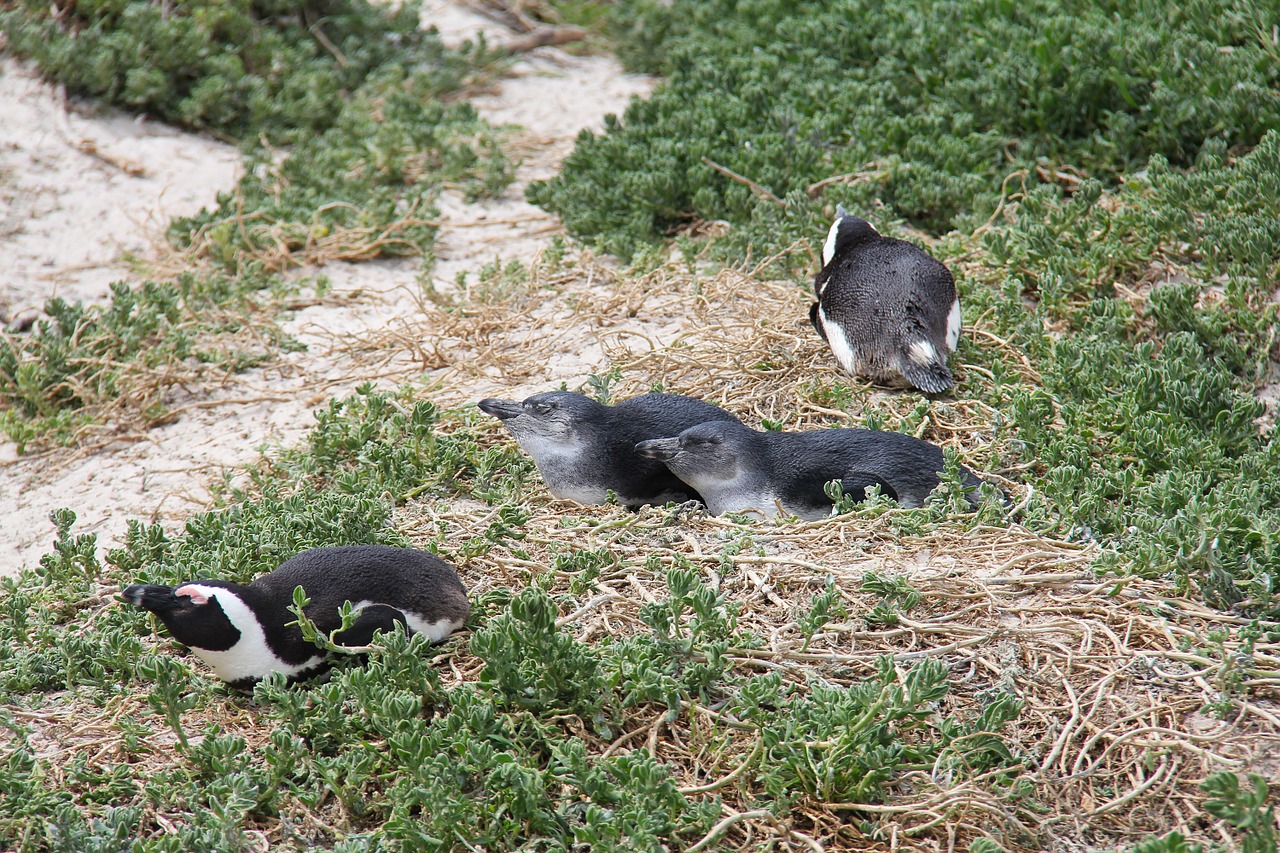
(86, 215)
(82, 191)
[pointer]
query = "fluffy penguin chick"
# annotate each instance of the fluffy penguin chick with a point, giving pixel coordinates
(585, 449)
(242, 632)
(886, 308)
(737, 469)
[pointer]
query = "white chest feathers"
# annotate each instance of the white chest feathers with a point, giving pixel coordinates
(544, 448)
(844, 352)
(561, 464)
(761, 504)
(954, 325)
(250, 657)
(738, 494)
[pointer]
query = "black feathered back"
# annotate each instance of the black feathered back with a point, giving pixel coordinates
(654, 416)
(409, 580)
(907, 465)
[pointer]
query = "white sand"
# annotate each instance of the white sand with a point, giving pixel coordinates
(70, 217)
(79, 194)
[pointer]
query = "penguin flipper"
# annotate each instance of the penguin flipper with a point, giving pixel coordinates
(373, 618)
(931, 378)
(856, 483)
(817, 324)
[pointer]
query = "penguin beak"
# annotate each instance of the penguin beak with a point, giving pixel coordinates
(660, 448)
(501, 409)
(157, 599)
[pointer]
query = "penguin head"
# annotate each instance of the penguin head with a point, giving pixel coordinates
(553, 416)
(192, 612)
(702, 455)
(846, 231)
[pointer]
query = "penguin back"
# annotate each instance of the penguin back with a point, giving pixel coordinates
(659, 415)
(407, 579)
(887, 309)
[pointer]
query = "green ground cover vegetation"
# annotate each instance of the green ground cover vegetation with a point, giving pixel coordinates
(1154, 322)
(917, 111)
(396, 753)
(407, 762)
(1117, 198)
(353, 91)
(1101, 180)
(243, 70)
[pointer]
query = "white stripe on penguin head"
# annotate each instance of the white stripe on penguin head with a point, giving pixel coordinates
(250, 657)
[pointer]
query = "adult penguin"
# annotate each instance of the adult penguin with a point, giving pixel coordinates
(245, 631)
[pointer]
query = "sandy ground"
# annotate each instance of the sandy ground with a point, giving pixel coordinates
(82, 194)
(85, 192)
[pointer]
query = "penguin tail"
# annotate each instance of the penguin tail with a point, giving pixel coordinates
(931, 378)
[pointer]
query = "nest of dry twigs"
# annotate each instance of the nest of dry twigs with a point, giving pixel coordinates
(1122, 685)
(1117, 682)
(1114, 733)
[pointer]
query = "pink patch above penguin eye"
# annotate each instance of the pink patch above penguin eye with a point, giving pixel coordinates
(194, 593)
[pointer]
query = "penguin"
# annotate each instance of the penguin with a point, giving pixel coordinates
(243, 633)
(737, 469)
(584, 449)
(888, 310)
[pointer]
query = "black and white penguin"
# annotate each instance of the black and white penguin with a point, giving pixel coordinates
(585, 449)
(737, 469)
(242, 631)
(886, 308)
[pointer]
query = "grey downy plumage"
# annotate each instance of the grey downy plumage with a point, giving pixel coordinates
(585, 449)
(738, 469)
(888, 310)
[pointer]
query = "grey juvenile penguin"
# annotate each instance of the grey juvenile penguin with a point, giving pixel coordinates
(739, 469)
(242, 631)
(886, 308)
(585, 449)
